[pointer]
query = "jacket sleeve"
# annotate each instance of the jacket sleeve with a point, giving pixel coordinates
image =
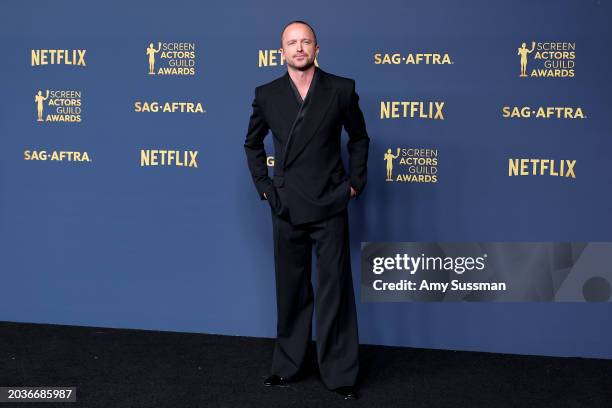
(254, 148)
(358, 143)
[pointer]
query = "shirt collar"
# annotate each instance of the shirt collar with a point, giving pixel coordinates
(295, 90)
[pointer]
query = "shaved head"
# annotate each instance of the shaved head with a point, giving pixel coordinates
(298, 22)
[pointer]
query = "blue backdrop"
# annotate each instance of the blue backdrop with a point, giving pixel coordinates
(110, 243)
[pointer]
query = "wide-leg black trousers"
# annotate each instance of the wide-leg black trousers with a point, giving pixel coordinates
(335, 312)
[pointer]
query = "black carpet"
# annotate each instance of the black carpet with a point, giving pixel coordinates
(115, 368)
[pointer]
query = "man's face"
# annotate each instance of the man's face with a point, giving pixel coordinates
(299, 49)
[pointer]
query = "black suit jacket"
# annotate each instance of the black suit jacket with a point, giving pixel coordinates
(309, 182)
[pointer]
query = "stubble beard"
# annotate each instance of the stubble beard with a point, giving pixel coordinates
(305, 67)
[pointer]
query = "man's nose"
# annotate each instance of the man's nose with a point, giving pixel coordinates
(299, 46)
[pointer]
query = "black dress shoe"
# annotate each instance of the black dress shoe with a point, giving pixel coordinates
(347, 392)
(275, 380)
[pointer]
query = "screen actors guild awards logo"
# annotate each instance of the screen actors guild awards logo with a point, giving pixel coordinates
(151, 51)
(549, 59)
(171, 59)
(65, 106)
(389, 157)
(416, 165)
(523, 52)
(39, 99)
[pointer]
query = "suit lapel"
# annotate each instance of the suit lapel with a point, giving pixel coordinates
(286, 103)
(319, 101)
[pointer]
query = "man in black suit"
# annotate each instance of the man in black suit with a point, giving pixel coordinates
(305, 109)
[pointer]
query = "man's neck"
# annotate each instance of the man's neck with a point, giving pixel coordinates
(301, 78)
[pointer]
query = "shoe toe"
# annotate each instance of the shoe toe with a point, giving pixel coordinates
(275, 380)
(348, 393)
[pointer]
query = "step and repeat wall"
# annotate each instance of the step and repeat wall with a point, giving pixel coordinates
(126, 201)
